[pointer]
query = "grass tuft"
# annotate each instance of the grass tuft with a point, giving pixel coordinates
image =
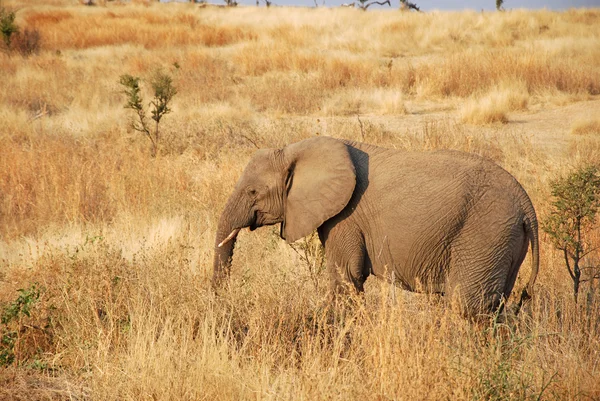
(586, 127)
(495, 105)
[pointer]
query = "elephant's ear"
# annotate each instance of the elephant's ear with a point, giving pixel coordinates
(320, 182)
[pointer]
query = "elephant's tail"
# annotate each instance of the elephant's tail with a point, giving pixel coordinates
(531, 228)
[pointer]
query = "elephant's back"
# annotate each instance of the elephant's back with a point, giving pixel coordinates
(422, 200)
(433, 171)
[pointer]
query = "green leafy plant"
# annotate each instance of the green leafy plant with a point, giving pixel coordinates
(574, 209)
(11, 325)
(7, 25)
(164, 91)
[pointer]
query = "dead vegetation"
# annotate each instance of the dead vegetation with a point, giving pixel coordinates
(120, 243)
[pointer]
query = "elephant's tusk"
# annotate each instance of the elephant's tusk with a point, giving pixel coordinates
(231, 236)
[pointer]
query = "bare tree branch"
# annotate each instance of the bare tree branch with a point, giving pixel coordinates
(381, 3)
(250, 140)
(253, 142)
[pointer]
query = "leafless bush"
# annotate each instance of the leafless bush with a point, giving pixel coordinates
(27, 42)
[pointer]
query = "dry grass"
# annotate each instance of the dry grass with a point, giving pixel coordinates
(495, 105)
(357, 101)
(586, 127)
(121, 244)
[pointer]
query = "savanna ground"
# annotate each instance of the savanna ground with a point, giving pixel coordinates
(113, 248)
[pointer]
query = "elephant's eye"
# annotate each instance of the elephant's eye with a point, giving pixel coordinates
(252, 192)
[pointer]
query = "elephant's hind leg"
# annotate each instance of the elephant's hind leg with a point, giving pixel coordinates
(483, 268)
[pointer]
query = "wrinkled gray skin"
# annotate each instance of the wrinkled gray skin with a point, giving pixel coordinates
(439, 222)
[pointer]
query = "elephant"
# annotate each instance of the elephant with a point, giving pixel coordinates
(441, 222)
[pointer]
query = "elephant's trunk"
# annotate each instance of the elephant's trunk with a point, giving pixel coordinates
(223, 255)
(232, 220)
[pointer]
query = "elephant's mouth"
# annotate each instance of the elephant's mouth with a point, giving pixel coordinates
(263, 219)
(255, 221)
(234, 233)
(260, 219)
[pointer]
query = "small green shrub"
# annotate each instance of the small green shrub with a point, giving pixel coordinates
(164, 91)
(7, 25)
(22, 305)
(11, 322)
(574, 208)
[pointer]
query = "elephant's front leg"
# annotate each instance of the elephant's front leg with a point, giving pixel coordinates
(345, 252)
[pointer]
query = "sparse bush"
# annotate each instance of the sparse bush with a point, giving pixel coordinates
(26, 42)
(574, 209)
(407, 5)
(162, 85)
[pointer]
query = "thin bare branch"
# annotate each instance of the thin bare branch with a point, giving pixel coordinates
(253, 142)
(250, 140)
(43, 111)
(381, 3)
(362, 130)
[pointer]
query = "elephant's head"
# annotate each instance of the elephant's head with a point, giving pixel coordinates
(300, 186)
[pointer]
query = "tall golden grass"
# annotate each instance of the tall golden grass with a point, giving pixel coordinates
(121, 243)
